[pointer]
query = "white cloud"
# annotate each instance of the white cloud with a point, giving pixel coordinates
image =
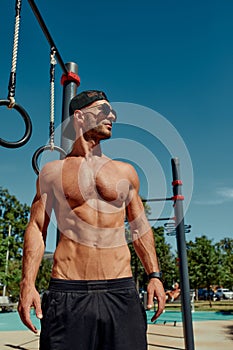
(225, 192)
(222, 195)
(209, 202)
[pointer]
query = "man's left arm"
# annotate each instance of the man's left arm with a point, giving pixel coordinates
(144, 245)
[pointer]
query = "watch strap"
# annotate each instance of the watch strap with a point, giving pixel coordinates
(155, 275)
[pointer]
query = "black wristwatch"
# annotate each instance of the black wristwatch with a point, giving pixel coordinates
(155, 275)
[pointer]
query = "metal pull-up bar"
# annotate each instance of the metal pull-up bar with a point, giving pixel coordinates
(47, 34)
(70, 79)
(182, 254)
(179, 229)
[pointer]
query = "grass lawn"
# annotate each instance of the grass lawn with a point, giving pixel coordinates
(223, 306)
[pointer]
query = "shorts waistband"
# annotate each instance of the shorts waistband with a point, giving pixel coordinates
(57, 284)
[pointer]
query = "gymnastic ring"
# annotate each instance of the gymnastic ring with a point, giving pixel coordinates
(28, 126)
(41, 150)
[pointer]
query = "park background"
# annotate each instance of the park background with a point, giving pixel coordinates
(174, 57)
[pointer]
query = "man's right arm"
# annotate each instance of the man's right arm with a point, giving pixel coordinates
(34, 245)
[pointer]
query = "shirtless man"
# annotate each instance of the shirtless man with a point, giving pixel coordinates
(92, 302)
(173, 294)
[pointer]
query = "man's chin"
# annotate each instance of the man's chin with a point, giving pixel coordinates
(106, 135)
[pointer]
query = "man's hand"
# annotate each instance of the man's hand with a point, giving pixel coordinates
(29, 297)
(155, 290)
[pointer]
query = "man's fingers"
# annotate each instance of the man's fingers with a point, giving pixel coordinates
(25, 317)
(150, 300)
(155, 290)
(160, 309)
(31, 326)
(149, 307)
(38, 310)
(156, 315)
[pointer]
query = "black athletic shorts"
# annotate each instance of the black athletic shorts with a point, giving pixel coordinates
(93, 315)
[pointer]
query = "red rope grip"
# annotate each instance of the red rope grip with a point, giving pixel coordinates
(177, 182)
(178, 197)
(70, 76)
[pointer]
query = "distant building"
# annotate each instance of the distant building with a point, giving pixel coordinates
(48, 256)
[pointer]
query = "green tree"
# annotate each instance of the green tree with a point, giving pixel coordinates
(14, 214)
(43, 276)
(14, 219)
(165, 257)
(137, 268)
(203, 263)
(225, 263)
(13, 279)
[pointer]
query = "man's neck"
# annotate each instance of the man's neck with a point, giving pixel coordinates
(83, 148)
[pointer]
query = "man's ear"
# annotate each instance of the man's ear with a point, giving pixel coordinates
(78, 117)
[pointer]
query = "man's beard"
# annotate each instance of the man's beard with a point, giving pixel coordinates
(98, 132)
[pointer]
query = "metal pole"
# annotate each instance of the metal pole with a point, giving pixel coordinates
(47, 34)
(7, 258)
(157, 199)
(69, 91)
(182, 254)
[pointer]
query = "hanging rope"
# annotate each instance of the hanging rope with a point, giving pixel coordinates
(10, 103)
(52, 96)
(51, 145)
(12, 80)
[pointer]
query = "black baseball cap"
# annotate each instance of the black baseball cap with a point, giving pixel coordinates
(80, 101)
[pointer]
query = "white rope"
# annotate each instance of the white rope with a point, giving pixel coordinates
(14, 56)
(52, 96)
(15, 45)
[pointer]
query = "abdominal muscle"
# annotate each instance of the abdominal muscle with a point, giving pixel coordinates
(87, 251)
(76, 261)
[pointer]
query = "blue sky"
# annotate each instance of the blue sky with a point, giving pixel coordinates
(170, 57)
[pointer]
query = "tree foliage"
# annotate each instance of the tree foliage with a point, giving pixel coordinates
(15, 215)
(202, 262)
(43, 276)
(165, 257)
(13, 219)
(225, 262)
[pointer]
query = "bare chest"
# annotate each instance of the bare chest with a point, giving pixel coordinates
(102, 182)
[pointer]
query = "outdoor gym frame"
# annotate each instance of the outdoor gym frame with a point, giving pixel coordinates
(180, 230)
(70, 82)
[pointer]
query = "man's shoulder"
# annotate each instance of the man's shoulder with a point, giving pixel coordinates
(124, 166)
(51, 169)
(127, 170)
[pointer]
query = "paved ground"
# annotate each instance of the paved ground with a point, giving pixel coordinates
(208, 335)
(212, 335)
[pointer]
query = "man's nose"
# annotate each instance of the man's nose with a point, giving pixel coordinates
(112, 117)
